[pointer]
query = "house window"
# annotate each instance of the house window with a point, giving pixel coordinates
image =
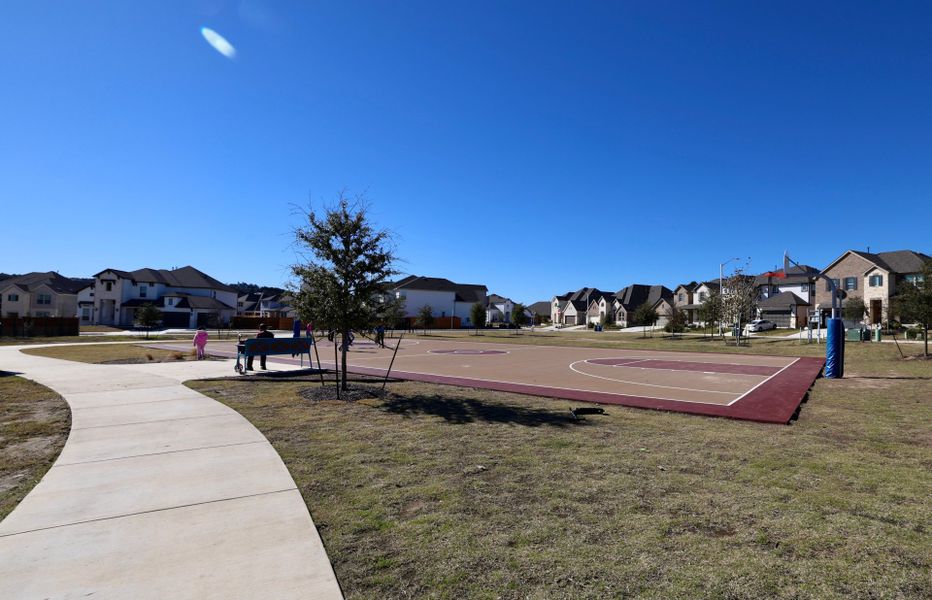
(851, 283)
(914, 279)
(12, 297)
(143, 291)
(702, 296)
(86, 314)
(170, 301)
(875, 281)
(804, 287)
(44, 299)
(681, 297)
(108, 286)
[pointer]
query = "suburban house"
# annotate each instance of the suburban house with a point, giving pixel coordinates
(786, 297)
(628, 299)
(40, 295)
(264, 304)
(684, 300)
(872, 277)
(447, 299)
(601, 308)
(570, 308)
(498, 309)
(540, 311)
(187, 297)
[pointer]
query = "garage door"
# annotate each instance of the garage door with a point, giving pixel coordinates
(780, 317)
(175, 319)
(569, 319)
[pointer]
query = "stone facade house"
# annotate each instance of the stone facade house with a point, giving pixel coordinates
(873, 277)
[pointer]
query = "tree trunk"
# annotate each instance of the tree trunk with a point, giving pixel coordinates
(345, 345)
(926, 336)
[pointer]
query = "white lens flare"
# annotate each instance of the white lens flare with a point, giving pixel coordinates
(218, 42)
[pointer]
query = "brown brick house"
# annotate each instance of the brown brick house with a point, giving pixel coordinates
(872, 277)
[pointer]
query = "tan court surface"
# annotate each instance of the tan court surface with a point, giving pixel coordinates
(703, 383)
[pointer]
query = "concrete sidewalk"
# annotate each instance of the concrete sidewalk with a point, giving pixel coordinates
(159, 492)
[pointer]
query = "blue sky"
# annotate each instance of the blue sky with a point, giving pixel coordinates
(534, 147)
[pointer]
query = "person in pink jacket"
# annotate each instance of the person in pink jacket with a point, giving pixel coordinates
(200, 342)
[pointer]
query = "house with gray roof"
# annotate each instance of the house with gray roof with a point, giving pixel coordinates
(446, 298)
(187, 297)
(630, 298)
(571, 308)
(873, 277)
(39, 294)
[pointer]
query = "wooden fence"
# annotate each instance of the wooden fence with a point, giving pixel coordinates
(280, 323)
(39, 326)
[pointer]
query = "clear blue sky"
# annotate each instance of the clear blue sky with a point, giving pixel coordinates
(534, 147)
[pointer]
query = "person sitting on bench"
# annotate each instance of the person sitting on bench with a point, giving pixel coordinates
(263, 333)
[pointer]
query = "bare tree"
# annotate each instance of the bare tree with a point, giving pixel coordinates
(739, 300)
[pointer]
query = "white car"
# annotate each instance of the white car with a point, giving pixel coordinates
(760, 325)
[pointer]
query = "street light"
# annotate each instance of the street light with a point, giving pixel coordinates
(721, 276)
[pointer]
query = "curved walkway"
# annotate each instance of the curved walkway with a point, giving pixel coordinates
(159, 492)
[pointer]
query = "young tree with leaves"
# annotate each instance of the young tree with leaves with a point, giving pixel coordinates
(148, 316)
(913, 302)
(345, 264)
(425, 317)
(518, 316)
(676, 320)
(645, 315)
(710, 311)
(477, 316)
(853, 309)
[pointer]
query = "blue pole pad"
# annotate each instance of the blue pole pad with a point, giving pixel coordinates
(835, 349)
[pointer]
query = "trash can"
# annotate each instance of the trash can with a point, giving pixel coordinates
(853, 334)
(877, 334)
(865, 335)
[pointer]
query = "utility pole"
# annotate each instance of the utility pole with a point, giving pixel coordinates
(721, 293)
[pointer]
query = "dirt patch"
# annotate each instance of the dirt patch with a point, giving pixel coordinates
(329, 392)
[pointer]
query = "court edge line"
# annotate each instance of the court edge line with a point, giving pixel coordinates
(764, 381)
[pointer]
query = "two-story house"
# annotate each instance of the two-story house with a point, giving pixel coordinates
(630, 298)
(187, 297)
(571, 308)
(446, 298)
(786, 297)
(40, 295)
(873, 277)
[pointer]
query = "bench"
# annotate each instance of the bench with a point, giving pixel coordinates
(272, 347)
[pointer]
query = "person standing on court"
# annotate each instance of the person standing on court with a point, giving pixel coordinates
(263, 333)
(200, 342)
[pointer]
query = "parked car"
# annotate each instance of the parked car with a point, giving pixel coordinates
(760, 325)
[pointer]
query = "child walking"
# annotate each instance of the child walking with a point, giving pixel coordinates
(200, 342)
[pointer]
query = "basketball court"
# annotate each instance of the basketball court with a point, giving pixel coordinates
(740, 386)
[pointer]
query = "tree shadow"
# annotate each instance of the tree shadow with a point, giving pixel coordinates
(8, 373)
(470, 410)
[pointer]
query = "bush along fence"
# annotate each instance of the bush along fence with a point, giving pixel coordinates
(39, 326)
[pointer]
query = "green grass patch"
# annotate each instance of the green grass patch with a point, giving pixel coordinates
(34, 424)
(444, 492)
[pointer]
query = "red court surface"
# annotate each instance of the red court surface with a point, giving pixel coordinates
(740, 386)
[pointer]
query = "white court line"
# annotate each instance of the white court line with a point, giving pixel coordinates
(656, 385)
(552, 387)
(763, 382)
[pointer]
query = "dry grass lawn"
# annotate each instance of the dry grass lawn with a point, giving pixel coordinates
(111, 353)
(34, 424)
(443, 492)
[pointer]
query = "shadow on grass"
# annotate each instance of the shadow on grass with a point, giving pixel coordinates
(471, 411)
(8, 373)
